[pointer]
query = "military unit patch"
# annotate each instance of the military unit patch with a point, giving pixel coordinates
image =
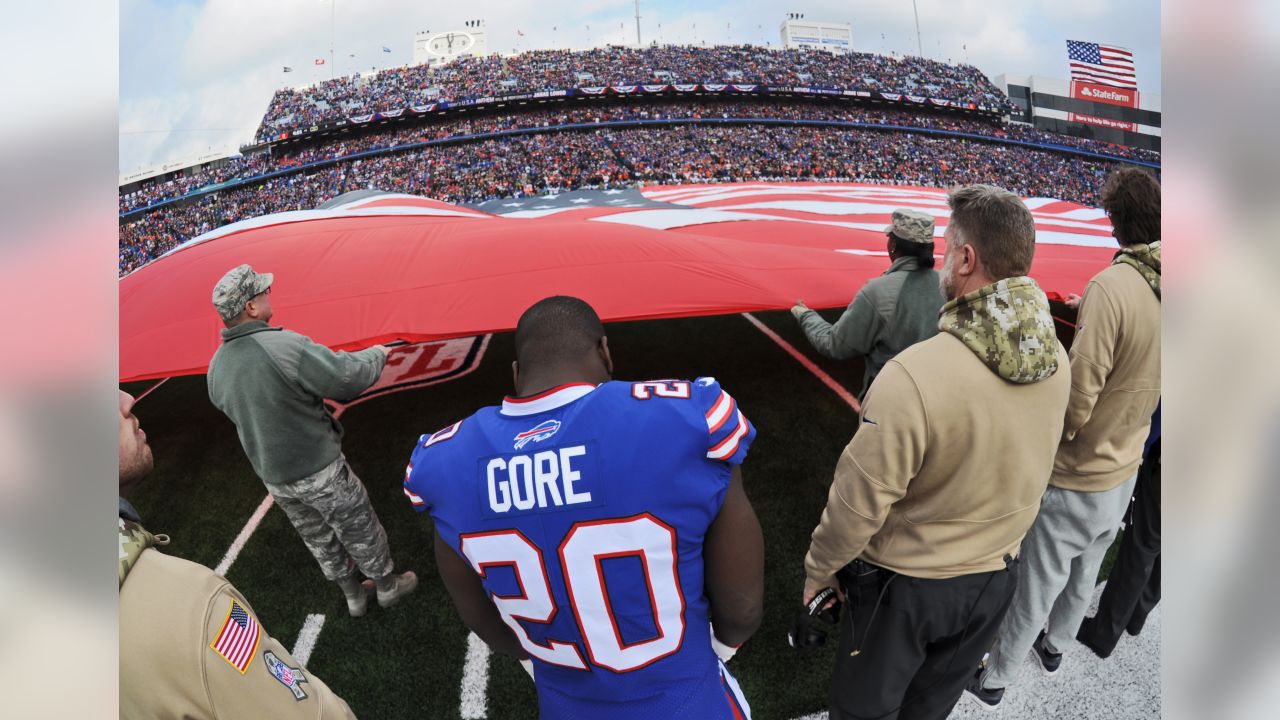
(288, 676)
(238, 639)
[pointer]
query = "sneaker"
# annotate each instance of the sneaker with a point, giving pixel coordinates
(1085, 637)
(1049, 661)
(987, 699)
(401, 585)
(357, 595)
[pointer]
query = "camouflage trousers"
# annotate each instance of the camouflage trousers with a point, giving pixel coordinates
(331, 511)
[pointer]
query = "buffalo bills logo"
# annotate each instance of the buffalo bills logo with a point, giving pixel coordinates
(537, 433)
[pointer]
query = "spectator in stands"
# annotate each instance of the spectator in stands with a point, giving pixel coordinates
(1115, 387)
(189, 641)
(538, 162)
(272, 383)
(469, 78)
(935, 492)
(890, 313)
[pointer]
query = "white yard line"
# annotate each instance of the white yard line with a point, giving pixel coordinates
(808, 364)
(475, 680)
(233, 552)
(307, 637)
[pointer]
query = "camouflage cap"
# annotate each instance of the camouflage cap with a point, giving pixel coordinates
(911, 225)
(240, 285)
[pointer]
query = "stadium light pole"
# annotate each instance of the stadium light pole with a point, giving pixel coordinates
(919, 45)
(638, 42)
(333, 13)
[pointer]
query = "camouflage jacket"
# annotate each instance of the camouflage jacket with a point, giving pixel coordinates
(1008, 326)
(133, 539)
(1143, 258)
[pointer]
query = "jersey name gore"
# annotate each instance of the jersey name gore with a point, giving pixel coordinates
(544, 479)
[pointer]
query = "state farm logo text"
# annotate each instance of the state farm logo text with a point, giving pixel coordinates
(1106, 95)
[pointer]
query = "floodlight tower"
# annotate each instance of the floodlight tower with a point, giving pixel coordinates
(638, 43)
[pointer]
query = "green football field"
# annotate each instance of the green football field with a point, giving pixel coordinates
(408, 661)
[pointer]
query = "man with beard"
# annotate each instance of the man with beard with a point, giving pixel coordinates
(190, 644)
(933, 495)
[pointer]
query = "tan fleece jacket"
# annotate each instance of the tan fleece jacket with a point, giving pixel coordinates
(171, 614)
(1115, 382)
(945, 473)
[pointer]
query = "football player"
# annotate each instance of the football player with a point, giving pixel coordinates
(598, 530)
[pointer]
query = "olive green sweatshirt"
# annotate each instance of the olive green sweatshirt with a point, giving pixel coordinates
(889, 314)
(272, 383)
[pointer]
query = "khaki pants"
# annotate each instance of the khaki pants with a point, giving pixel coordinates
(331, 511)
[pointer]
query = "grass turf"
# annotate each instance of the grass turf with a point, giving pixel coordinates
(407, 661)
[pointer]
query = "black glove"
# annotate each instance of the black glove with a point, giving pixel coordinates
(807, 633)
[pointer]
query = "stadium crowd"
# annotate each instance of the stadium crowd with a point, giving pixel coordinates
(534, 164)
(540, 70)
(261, 163)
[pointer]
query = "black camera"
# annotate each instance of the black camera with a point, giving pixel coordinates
(808, 629)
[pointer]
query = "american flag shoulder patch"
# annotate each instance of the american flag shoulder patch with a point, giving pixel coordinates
(238, 639)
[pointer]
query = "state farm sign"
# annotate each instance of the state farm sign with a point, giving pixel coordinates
(1104, 94)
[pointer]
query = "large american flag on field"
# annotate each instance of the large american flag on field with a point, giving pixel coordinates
(1102, 64)
(238, 638)
(662, 251)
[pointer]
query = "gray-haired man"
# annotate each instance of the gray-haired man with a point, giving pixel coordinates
(272, 383)
(890, 313)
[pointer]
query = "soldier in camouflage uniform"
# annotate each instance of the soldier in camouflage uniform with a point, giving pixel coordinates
(932, 497)
(272, 383)
(891, 312)
(190, 644)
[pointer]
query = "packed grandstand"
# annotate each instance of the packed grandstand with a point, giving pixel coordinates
(619, 117)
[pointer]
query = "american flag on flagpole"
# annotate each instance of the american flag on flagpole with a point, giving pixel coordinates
(238, 638)
(1102, 64)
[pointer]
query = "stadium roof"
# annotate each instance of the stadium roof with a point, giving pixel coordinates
(395, 267)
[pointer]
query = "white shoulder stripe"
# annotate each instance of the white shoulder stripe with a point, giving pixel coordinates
(719, 410)
(729, 445)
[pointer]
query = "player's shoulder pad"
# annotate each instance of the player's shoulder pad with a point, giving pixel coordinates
(425, 444)
(444, 434)
(729, 433)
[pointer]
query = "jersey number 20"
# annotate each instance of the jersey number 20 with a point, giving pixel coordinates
(584, 547)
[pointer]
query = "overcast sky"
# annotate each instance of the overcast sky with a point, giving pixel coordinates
(196, 75)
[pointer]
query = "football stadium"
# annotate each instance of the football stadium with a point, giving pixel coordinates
(691, 194)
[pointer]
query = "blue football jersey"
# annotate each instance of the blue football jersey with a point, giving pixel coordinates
(584, 511)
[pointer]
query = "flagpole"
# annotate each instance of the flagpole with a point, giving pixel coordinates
(333, 12)
(919, 45)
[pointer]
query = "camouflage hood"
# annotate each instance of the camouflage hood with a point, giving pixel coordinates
(1008, 326)
(1145, 259)
(133, 539)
